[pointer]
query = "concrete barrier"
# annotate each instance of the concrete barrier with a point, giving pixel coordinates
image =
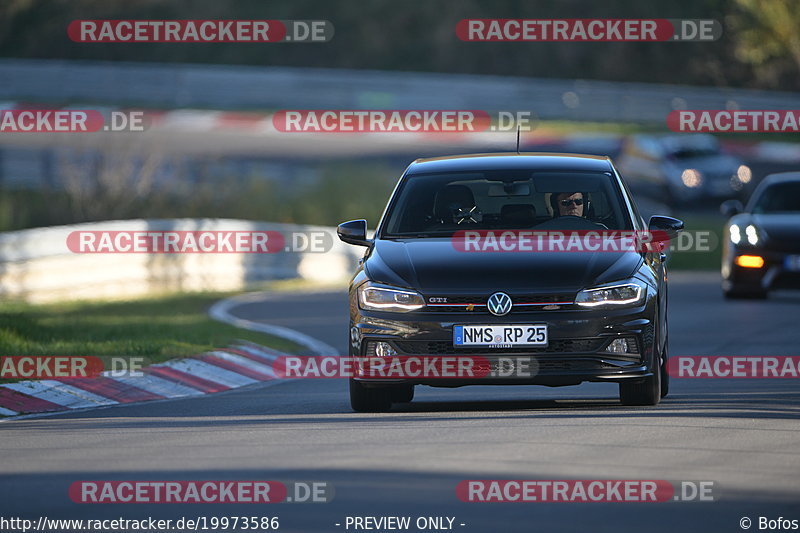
(37, 265)
(171, 85)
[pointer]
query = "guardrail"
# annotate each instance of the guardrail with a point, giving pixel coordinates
(170, 85)
(38, 266)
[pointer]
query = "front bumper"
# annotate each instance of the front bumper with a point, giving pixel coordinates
(775, 274)
(576, 352)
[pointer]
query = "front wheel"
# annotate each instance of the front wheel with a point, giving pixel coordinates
(369, 399)
(645, 392)
(665, 364)
(402, 393)
(664, 379)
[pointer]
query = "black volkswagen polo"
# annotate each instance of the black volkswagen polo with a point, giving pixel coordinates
(565, 314)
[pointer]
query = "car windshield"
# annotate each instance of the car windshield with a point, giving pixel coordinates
(440, 204)
(779, 198)
(693, 152)
(691, 147)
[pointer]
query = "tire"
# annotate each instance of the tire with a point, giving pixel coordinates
(402, 394)
(646, 391)
(369, 400)
(664, 360)
(664, 379)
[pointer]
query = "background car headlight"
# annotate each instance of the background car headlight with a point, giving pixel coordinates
(752, 234)
(692, 178)
(744, 173)
(631, 292)
(380, 298)
(736, 234)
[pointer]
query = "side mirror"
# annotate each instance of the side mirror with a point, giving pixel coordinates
(731, 207)
(670, 226)
(354, 232)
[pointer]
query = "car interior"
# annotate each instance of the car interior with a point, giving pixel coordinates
(447, 203)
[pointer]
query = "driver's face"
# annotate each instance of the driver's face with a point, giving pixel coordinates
(571, 208)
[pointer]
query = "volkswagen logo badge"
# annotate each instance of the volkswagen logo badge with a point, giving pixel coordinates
(499, 304)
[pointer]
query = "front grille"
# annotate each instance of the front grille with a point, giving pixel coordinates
(588, 345)
(783, 245)
(787, 280)
(521, 302)
(566, 366)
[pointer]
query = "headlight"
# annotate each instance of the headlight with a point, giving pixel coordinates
(736, 234)
(382, 298)
(630, 293)
(752, 234)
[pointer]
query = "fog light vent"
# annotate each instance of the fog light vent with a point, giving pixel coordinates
(380, 349)
(623, 345)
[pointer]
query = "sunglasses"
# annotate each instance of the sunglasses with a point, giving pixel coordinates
(567, 203)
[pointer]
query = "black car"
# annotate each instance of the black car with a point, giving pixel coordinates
(587, 316)
(762, 242)
(682, 169)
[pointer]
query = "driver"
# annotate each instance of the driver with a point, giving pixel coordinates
(568, 203)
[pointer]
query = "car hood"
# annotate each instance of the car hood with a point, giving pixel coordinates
(434, 265)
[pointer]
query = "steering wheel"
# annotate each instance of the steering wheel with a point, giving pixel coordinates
(603, 220)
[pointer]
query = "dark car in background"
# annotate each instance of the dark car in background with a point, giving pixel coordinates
(682, 168)
(598, 316)
(761, 248)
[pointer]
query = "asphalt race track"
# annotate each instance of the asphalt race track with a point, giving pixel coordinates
(742, 434)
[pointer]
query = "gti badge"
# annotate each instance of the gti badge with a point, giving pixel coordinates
(499, 304)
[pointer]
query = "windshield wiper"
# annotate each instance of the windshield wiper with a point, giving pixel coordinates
(417, 235)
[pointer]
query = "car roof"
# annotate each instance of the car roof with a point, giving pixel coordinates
(768, 181)
(511, 161)
(781, 177)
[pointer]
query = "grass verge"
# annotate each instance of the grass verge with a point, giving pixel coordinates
(157, 329)
(696, 225)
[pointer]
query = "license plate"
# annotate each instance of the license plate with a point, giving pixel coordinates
(792, 263)
(500, 336)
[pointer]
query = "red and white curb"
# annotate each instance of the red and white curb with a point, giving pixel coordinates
(215, 371)
(242, 364)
